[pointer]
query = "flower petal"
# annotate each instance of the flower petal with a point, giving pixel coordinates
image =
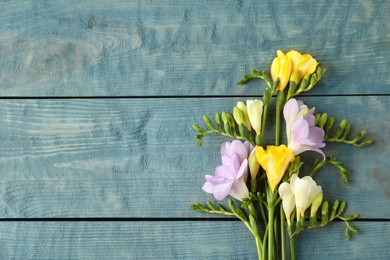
(285, 191)
(220, 191)
(290, 112)
(238, 148)
(239, 190)
(223, 171)
(208, 187)
(299, 129)
(243, 170)
(225, 148)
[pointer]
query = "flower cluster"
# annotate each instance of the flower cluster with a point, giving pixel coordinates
(274, 168)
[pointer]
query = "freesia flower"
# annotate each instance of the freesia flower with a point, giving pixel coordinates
(302, 134)
(305, 190)
(281, 68)
(301, 65)
(288, 200)
(230, 177)
(228, 149)
(275, 161)
(300, 192)
(292, 66)
(255, 112)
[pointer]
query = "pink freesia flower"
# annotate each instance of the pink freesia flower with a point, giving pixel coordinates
(302, 134)
(230, 177)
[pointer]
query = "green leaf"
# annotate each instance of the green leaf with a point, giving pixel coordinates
(342, 132)
(218, 121)
(354, 230)
(208, 122)
(347, 234)
(334, 208)
(341, 208)
(198, 128)
(352, 217)
(211, 206)
(253, 75)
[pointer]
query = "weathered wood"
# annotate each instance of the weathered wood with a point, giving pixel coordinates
(150, 48)
(178, 240)
(137, 157)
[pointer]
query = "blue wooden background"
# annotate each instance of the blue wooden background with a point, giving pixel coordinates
(97, 159)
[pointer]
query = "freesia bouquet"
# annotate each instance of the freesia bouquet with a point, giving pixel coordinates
(266, 180)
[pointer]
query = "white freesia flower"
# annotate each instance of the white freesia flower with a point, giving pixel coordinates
(288, 200)
(305, 190)
(299, 193)
(255, 111)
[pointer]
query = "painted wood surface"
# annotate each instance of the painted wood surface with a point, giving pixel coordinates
(138, 157)
(175, 240)
(97, 98)
(160, 48)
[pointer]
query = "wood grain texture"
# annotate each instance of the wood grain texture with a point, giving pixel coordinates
(177, 240)
(160, 48)
(137, 157)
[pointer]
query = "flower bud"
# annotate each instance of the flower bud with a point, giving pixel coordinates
(237, 114)
(295, 77)
(253, 164)
(316, 204)
(255, 112)
(244, 119)
(281, 68)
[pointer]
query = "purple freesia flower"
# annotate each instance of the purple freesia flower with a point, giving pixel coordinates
(228, 149)
(302, 134)
(230, 177)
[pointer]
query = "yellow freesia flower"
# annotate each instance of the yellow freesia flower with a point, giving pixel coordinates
(281, 68)
(301, 65)
(275, 161)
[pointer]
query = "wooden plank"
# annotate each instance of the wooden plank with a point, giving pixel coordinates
(138, 158)
(178, 240)
(149, 48)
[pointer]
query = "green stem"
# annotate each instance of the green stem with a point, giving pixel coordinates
(259, 247)
(263, 122)
(262, 212)
(251, 207)
(292, 250)
(279, 105)
(277, 127)
(271, 240)
(264, 242)
(282, 233)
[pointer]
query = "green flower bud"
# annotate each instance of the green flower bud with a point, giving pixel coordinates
(237, 114)
(253, 164)
(316, 204)
(244, 110)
